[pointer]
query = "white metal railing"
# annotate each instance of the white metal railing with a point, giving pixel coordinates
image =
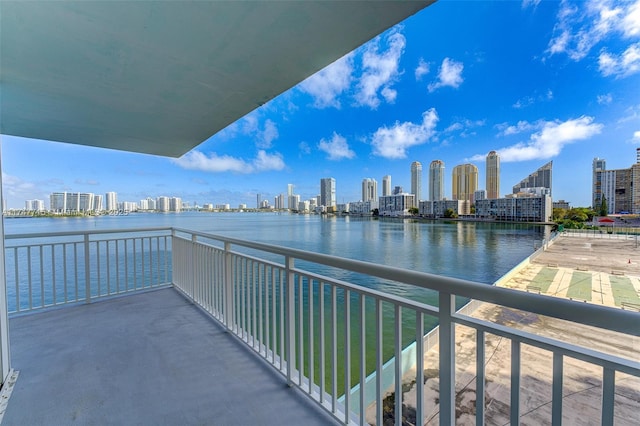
(326, 334)
(57, 268)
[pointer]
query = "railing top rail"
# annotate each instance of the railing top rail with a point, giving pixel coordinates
(89, 232)
(595, 315)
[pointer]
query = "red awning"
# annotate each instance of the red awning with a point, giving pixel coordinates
(606, 220)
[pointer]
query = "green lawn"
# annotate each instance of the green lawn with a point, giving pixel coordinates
(580, 287)
(623, 290)
(544, 278)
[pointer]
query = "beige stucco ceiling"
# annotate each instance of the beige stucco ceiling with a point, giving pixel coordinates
(161, 77)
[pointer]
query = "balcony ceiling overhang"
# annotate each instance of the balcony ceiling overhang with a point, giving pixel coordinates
(160, 77)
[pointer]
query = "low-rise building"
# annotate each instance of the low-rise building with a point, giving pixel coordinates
(396, 205)
(435, 209)
(516, 209)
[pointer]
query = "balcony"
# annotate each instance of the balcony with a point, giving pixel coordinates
(170, 326)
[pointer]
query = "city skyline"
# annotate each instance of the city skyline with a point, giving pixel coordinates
(554, 82)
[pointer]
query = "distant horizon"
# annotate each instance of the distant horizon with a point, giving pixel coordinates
(534, 81)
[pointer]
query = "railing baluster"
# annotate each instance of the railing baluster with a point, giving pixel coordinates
(398, 364)
(228, 286)
(363, 357)
(260, 308)
(322, 372)
(556, 398)
(254, 324)
(15, 261)
(274, 316)
(347, 355)
(42, 295)
(135, 264)
(379, 361)
(267, 310)
(515, 382)
(87, 270)
(108, 245)
(64, 263)
(99, 277)
(420, 368)
(311, 335)
(480, 376)
(290, 329)
(76, 265)
(53, 274)
(116, 243)
(334, 350)
(29, 278)
(282, 324)
(300, 340)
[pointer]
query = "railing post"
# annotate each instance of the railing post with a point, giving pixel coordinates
(228, 286)
(289, 323)
(447, 359)
(87, 270)
(194, 265)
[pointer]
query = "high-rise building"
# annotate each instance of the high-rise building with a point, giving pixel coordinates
(464, 182)
(541, 178)
(370, 190)
(34, 205)
(162, 204)
(436, 180)
(98, 203)
(258, 200)
(599, 165)
(493, 176)
(111, 201)
(386, 185)
(328, 192)
(620, 187)
(416, 181)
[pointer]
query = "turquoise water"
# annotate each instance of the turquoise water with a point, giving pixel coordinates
(480, 252)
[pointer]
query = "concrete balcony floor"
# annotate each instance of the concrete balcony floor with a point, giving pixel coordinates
(145, 359)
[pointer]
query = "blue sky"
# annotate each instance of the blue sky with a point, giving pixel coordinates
(535, 81)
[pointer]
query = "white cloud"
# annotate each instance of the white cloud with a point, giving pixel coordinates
(605, 99)
(380, 70)
(196, 160)
(631, 22)
(581, 26)
(422, 69)
(530, 100)
(267, 135)
(636, 137)
(328, 84)
(337, 148)
(465, 125)
(550, 139)
(266, 162)
(304, 148)
(532, 3)
(621, 65)
(521, 127)
(450, 74)
(632, 113)
(393, 142)
(15, 187)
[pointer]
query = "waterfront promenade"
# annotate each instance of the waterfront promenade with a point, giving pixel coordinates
(590, 269)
